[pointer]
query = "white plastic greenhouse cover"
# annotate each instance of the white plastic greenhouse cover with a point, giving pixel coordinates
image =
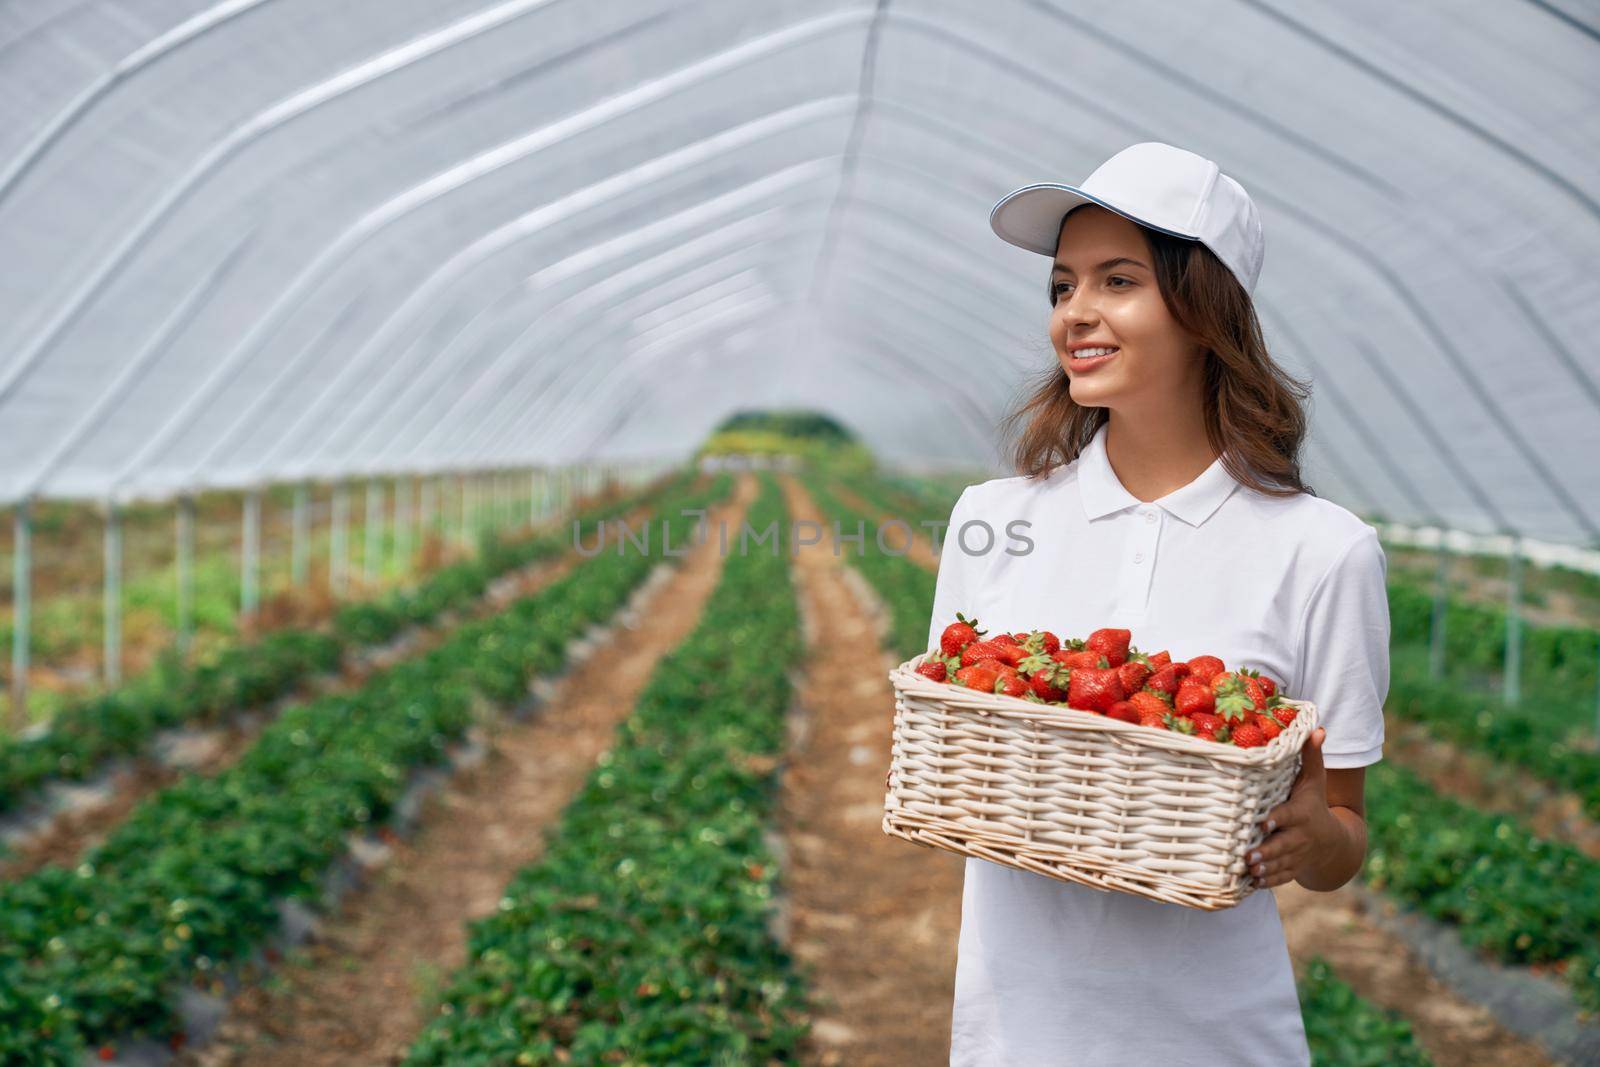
(275, 239)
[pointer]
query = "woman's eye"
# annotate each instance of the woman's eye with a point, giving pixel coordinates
(1120, 278)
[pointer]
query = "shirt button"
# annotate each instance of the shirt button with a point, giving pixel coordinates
(1149, 516)
(1138, 557)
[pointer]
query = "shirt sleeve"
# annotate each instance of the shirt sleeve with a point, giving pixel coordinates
(1344, 654)
(950, 588)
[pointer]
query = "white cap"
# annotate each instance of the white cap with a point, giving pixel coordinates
(1156, 185)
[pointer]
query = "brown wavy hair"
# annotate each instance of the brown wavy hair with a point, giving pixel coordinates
(1254, 413)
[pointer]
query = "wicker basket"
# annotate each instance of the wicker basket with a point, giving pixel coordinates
(1081, 797)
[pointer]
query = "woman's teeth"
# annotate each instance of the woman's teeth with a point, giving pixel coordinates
(1091, 353)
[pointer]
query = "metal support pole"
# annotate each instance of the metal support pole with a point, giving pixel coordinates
(374, 532)
(339, 541)
(1513, 680)
(402, 525)
(112, 623)
(185, 553)
(250, 558)
(427, 495)
(300, 550)
(533, 498)
(465, 484)
(1441, 601)
(21, 611)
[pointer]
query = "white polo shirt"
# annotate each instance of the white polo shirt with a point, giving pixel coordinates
(1051, 973)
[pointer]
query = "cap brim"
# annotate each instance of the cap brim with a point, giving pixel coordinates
(1030, 217)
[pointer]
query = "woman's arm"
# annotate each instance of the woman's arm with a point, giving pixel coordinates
(1318, 837)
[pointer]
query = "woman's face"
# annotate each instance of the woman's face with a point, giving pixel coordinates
(1117, 305)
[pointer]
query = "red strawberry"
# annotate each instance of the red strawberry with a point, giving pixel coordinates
(1285, 713)
(1160, 720)
(1145, 700)
(1042, 641)
(1133, 675)
(980, 676)
(1047, 677)
(1159, 659)
(1232, 701)
(1084, 658)
(107, 1052)
(1125, 710)
(1112, 644)
(1166, 679)
(934, 668)
(1011, 683)
(1204, 668)
(1269, 726)
(1206, 722)
(1249, 735)
(959, 635)
(980, 650)
(1193, 697)
(1094, 689)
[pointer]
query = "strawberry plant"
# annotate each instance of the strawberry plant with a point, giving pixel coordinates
(641, 936)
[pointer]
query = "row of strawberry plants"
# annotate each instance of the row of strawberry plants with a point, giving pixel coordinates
(1474, 718)
(1520, 897)
(905, 587)
(641, 936)
(191, 881)
(83, 737)
(1345, 1030)
(1330, 1008)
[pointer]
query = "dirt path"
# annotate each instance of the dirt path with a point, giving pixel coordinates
(212, 751)
(1454, 1031)
(357, 995)
(875, 918)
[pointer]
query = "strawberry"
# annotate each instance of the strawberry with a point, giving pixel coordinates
(1112, 644)
(1206, 722)
(1094, 688)
(1269, 726)
(1133, 675)
(1125, 710)
(1193, 697)
(1160, 720)
(1267, 686)
(1249, 735)
(1006, 639)
(980, 676)
(1012, 685)
(980, 650)
(1204, 668)
(1166, 679)
(1144, 700)
(1159, 659)
(1042, 641)
(1232, 701)
(1285, 713)
(107, 1052)
(959, 635)
(1047, 677)
(1084, 658)
(935, 668)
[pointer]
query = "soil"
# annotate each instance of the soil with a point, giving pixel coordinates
(359, 993)
(874, 918)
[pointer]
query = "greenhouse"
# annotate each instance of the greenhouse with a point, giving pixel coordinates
(487, 489)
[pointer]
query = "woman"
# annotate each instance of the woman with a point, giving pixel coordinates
(1160, 492)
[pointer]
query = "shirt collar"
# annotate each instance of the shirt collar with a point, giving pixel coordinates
(1103, 493)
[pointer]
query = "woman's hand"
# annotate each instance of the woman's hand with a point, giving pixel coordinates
(1302, 828)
